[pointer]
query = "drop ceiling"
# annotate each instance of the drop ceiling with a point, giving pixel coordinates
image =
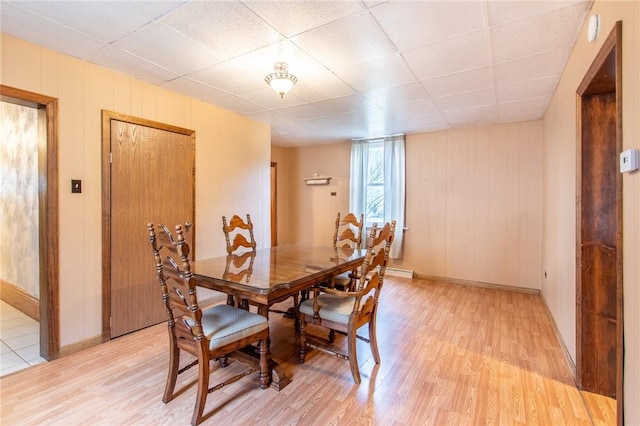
(365, 68)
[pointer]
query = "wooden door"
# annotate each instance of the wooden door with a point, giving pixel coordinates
(274, 204)
(599, 235)
(151, 180)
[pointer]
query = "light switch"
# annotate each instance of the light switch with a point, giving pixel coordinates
(629, 161)
(76, 186)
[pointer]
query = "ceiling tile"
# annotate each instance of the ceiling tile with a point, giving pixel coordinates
(390, 96)
(239, 105)
(302, 112)
(346, 104)
(469, 116)
(503, 12)
(418, 123)
(358, 36)
(196, 90)
(462, 82)
(536, 34)
(388, 71)
(229, 28)
(411, 109)
(270, 117)
(269, 99)
(411, 24)
(458, 54)
(179, 54)
(527, 89)
(546, 64)
(44, 32)
(530, 109)
(295, 17)
(132, 65)
(89, 17)
(466, 100)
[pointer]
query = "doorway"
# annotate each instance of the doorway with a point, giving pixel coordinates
(274, 204)
(148, 176)
(47, 215)
(599, 322)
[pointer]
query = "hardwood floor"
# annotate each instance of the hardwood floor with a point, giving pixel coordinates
(450, 354)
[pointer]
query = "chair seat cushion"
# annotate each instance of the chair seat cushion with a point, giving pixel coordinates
(224, 324)
(331, 307)
(343, 279)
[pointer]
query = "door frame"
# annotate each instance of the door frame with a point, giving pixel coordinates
(47, 219)
(107, 116)
(598, 81)
(274, 204)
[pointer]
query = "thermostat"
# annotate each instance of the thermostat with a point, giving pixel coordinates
(629, 161)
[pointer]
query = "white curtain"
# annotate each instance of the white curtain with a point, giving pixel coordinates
(358, 177)
(394, 184)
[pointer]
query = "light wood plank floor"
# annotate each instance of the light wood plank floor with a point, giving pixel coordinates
(451, 354)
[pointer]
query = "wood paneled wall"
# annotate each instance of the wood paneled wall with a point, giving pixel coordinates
(473, 201)
(232, 165)
(473, 204)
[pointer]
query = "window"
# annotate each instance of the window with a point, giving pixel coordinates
(377, 179)
(374, 211)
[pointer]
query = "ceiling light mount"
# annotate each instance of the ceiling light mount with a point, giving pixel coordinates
(280, 80)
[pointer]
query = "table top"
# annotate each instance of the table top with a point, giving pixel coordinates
(283, 268)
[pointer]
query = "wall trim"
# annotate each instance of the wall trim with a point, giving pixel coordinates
(478, 284)
(567, 355)
(80, 346)
(20, 299)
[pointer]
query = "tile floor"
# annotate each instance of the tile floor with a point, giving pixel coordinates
(19, 339)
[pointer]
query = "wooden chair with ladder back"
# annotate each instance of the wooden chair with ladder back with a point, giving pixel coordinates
(206, 335)
(346, 311)
(347, 234)
(239, 238)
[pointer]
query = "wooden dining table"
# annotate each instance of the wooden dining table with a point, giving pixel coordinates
(273, 274)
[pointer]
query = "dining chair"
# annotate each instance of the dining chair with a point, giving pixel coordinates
(239, 238)
(347, 234)
(346, 311)
(238, 235)
(206, 335)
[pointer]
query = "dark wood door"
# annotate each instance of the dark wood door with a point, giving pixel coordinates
(152, 180)
(599, 318)
(599, 245)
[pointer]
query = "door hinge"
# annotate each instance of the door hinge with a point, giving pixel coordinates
(110, 322)
(110, 158)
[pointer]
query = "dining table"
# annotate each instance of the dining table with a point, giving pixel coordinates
(266, 276)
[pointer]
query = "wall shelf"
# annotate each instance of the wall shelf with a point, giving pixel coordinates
(317, 180)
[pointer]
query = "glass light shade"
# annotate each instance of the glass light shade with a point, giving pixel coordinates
(280, 80)
(281, 85)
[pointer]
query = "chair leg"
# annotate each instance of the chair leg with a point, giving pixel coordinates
(203, 390)
(265, 372)
(224, 361)
(303, 340)
(353, 357)
(172, 374)
(373, 340)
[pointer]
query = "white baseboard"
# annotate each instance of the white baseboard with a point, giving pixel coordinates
(405, 273)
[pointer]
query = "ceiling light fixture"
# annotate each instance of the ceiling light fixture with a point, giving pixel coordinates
(280, 80)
